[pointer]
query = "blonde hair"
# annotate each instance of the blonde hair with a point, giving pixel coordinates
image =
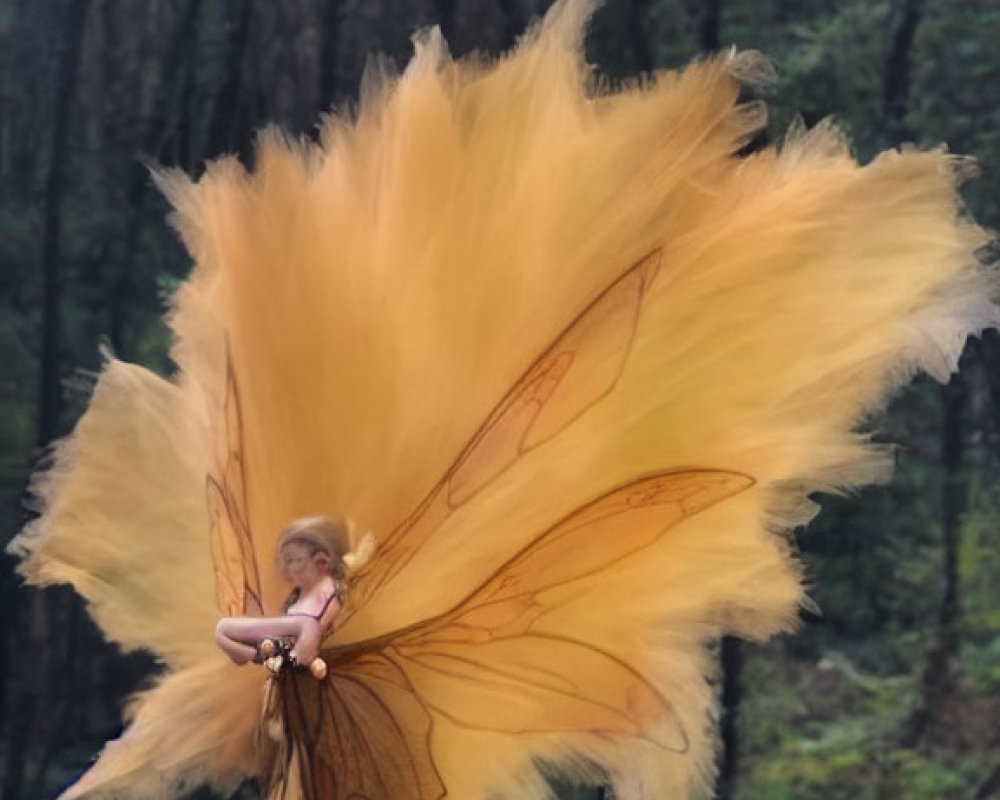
(320, 534)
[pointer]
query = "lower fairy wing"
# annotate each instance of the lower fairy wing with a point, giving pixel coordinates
(495, 663)
(360, 734)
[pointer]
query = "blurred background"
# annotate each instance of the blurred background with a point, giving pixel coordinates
(892, 687)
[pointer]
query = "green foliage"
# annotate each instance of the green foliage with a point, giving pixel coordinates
(956, 96)
(821, 731)
(833, 68)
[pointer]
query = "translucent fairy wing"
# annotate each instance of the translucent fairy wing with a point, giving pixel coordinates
(540, 685)
(237, 578)
(360, 734)
(575, 372)
(489, 665)
(600, 534)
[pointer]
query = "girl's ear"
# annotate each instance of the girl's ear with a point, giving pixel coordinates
(321, 560)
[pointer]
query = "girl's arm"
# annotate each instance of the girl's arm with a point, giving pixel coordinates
(238, 637)
(307, 644)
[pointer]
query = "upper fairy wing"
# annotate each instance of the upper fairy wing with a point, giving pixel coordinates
(237, 578)
(579, 368)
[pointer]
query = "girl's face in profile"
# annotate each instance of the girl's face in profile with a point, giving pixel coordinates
(298, 566)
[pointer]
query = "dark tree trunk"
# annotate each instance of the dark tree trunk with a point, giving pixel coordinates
(732, 690)
(937, 684)
(329, 54)
(637, 21)
(184, 153)
(10, 603)
(20, 41)
(989, 789)
(708, 26)
(444, 13)
(24, 724)
(953, 504)
(221, 130)
(904, 19)
(31, 699)
(66, 678)
(66, 79)
(154, 132)
(513, 22)
(987, 347)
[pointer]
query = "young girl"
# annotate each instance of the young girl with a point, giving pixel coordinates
(311, 557)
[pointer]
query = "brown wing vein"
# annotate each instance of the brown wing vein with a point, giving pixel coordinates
(504, 436)
(230, 535)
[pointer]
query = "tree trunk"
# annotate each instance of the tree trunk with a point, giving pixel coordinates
(937, 684)
(987, 350)
(904, 19)
(24, 725)
(513, 22)
(32, 698)
(732, 668)
(221, 130)
(708, 26)
(154, 131)
(69, 62)
(23, 37)
(184, 153)
(444, 13)
(637, 21)
(989, 789)
(329, 55)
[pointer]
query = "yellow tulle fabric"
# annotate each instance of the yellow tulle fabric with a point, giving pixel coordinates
(380, 293)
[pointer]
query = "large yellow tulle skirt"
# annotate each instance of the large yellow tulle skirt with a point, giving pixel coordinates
(504, 313)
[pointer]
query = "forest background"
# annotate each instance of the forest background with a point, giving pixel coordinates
(891, 691)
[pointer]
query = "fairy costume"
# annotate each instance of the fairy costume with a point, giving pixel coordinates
(577, 366)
